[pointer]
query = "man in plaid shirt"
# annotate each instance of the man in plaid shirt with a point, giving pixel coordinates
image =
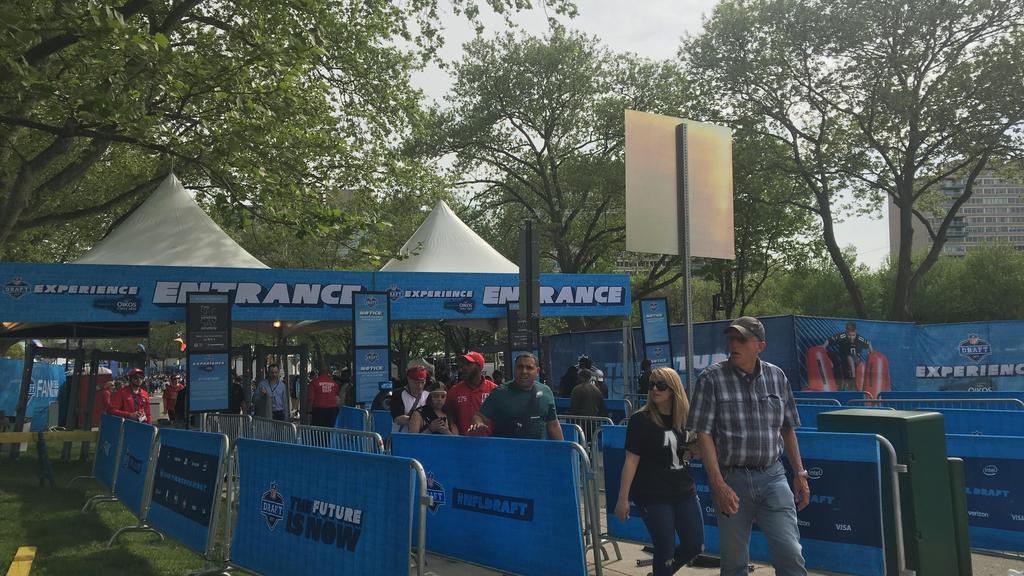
(744, 415)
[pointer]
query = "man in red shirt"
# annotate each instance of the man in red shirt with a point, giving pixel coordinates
(323, 400)
(466, 396)
(101, 402)
(132, 401)
(174, 386)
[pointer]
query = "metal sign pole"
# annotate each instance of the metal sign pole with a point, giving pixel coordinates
(683, 218)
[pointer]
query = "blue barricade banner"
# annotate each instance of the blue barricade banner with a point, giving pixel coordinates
(58, 293)
(381, 420)
(982, 422)
(617, 409)
(350, 418)
(970, 356)
(573, 433)
(983, 400)
(312, 511)
(186, 486)
(562, 405)
(994, 477)
(841, 529)
(134, 465)
(47, 381)
(842, 397)
(605, 350)
(809, 413)
(108, 447)
(517, 498)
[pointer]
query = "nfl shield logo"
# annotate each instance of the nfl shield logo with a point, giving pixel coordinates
(272, 506)
(974, 348)
(16, 287)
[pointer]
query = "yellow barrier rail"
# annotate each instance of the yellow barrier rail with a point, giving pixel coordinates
(22, 563)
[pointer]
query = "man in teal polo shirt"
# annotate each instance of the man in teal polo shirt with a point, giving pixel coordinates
(523, 408)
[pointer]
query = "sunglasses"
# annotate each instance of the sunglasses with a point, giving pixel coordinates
(660, 385)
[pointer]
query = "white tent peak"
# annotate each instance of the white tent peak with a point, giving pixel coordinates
(170, 229)
(444, 243)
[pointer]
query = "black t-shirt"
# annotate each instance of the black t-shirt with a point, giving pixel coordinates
(428, 415)
(662, 475)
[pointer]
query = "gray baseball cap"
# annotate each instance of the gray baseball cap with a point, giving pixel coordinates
(748, 326)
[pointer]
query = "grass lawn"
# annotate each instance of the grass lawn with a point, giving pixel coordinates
(69, 542)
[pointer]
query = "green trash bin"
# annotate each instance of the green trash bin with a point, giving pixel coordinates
(929, 517)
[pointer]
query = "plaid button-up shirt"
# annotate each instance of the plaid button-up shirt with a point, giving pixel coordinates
(743, 413)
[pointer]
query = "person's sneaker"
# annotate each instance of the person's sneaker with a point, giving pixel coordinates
(702, 561)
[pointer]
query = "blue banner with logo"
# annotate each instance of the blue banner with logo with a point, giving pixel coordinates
(186, 486)
(313, 511)
(372, 372)
(970, 356)
(840, 530)
(57, 293)
(108, 447)
(208, 380)
(994, 477)
(350, 418)
(840, 354)
(515, 501)
(134, 465)
(371, 319)
(654, 320)
(47, 381)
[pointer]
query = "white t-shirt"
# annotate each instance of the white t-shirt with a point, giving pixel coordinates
(409, 403)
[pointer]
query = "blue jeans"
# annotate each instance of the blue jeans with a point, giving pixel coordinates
(764, 496)
(663, 522)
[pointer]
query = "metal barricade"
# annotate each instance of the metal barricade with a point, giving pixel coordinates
(819, 401)
(339, 439)
(589, 424)
(234, 426)
(930, 403)
(274, 430)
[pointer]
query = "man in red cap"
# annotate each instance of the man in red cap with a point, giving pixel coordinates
(323, 399)
(468, 394)
(132, 401)
(409, 399)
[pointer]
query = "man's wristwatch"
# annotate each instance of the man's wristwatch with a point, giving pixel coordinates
(801, 473)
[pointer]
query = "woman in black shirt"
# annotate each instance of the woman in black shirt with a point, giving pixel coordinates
(431, 418)
(656, 475)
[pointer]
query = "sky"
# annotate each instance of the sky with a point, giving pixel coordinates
(651, 29)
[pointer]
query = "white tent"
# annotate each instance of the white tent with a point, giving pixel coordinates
(170, 229)
(443, 243)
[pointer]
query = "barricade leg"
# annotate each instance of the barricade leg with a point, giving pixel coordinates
(91, 503)
(138, 528)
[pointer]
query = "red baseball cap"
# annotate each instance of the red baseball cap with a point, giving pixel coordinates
(135, 372)
(416, 372)
(474, 358)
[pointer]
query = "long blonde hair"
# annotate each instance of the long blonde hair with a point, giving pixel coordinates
(680, 403)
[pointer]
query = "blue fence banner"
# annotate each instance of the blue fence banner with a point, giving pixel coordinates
(350, 418)
(842, 397)
(133, 468)
(994, 476)
(517, 498)
(208, 379)
(841, 529)
(617, 409)
(312, 511)
(108, 448)
(381, 421)
(809, 413)
(47, 382)
(371, 318)
(372, 372)
(59, 293)
(982, 422)
(654, 320)
(962, 395)
(970, 356)
(186, 486)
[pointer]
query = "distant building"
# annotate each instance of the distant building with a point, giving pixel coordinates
(995, 213)
(635, 262)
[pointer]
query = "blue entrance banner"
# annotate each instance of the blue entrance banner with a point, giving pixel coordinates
(372, 372)
(47, 381)
(208, 380)
(350, 418)
(186, 486)
(371, 319)
(59, 293)
(313, 511)
(994, 475)
(108, 449)
(517, 498)
(137, 446)
(841, 529)
(654, 320)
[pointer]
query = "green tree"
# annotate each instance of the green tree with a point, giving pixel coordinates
(535, 128)
(883, 99)
(263, 106)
